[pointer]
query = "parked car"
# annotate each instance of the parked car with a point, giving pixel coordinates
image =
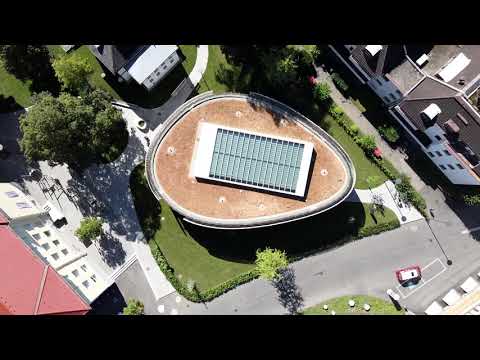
(408, 276)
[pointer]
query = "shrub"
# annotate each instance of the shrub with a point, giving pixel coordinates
(335, 111)
(389, 133)
(409, 195)
(367, 143)
(354, 129)
(339, 82)
(472, 200)
(321, 92)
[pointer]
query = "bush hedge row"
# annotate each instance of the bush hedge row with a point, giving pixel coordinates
(378, 228)
(406, 190)
(194, 295)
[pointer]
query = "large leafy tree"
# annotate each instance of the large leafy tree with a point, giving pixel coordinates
(70, 130)
(72, 72)
(134, 307)
(269, 262)
(25, 61)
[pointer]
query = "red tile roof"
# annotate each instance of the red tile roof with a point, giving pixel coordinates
(28, 286)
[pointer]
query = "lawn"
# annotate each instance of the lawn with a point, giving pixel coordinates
(133, 92)
(216, 62)
(341, 307)
(211, 256)
(11, 86)
(363, 166)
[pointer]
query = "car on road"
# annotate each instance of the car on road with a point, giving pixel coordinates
(409, 276)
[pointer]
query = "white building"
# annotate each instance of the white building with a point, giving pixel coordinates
(36, 229)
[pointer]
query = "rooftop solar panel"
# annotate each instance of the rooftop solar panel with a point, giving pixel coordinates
(250, 159)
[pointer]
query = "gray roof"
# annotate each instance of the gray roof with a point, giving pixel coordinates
(114, 57)
(453, 107)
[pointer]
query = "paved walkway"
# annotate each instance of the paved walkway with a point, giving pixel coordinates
(387, 191)
(397, 158)
(200, 65)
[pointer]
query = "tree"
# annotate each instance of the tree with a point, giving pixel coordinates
(134, 307)
(90, 228)
(269, 262)
(72, 72)
(69, 130)
(322, 92)
(25, 61)
(389, 133)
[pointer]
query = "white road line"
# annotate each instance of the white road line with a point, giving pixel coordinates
(467, 231)
(425, 282)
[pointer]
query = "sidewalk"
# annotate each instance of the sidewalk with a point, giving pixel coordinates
(200, 65)
(389, 194)
(367, 128)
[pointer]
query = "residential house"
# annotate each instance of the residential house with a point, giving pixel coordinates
(146, 64)
(432, 92)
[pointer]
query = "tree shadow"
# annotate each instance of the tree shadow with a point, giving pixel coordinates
(111, 250)
(8, 104)
(288, 292)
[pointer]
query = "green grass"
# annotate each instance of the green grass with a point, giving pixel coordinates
(341, 307)
(211, 256)
(11, 86)
(363, 166)
(133, 92)
(216, 60)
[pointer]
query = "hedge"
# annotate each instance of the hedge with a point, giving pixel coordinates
(471, 200)
(406, 190)
(339, 82)
(196, 296)
(377, 229)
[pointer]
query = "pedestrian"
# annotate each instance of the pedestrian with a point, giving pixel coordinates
(431, 213)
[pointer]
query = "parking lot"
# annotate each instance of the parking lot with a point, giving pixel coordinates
(429, 273)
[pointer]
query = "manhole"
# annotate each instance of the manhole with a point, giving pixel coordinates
(147, 268)
(171, 151)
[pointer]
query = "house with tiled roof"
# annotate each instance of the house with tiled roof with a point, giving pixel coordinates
(432, 91)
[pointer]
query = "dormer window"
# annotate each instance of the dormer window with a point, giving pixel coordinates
(431, 111)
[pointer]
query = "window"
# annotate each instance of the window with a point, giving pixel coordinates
(399, 93)
(75, 273)
(47, 233)
(94, 278)
(438, 137)
(171, 61)
(86, 284)
(438, 153)
(446, 152)
(379, 82)
(64, 251)
(151, 80)
(11, 194)
(36, 236)
(443, 167)
(84, 267)
(460, 167)
(55, 256)
(431, 154)
(386, 99)
(56, 242)
(451, 166)
(393, 97)
(46, 246)
(164, 67)
(23, 205)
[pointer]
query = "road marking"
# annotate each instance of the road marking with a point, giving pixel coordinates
(467, 231)
(399, 286)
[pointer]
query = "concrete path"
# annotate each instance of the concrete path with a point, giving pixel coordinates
(397, 158)
(200, 65)
(387, 191)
